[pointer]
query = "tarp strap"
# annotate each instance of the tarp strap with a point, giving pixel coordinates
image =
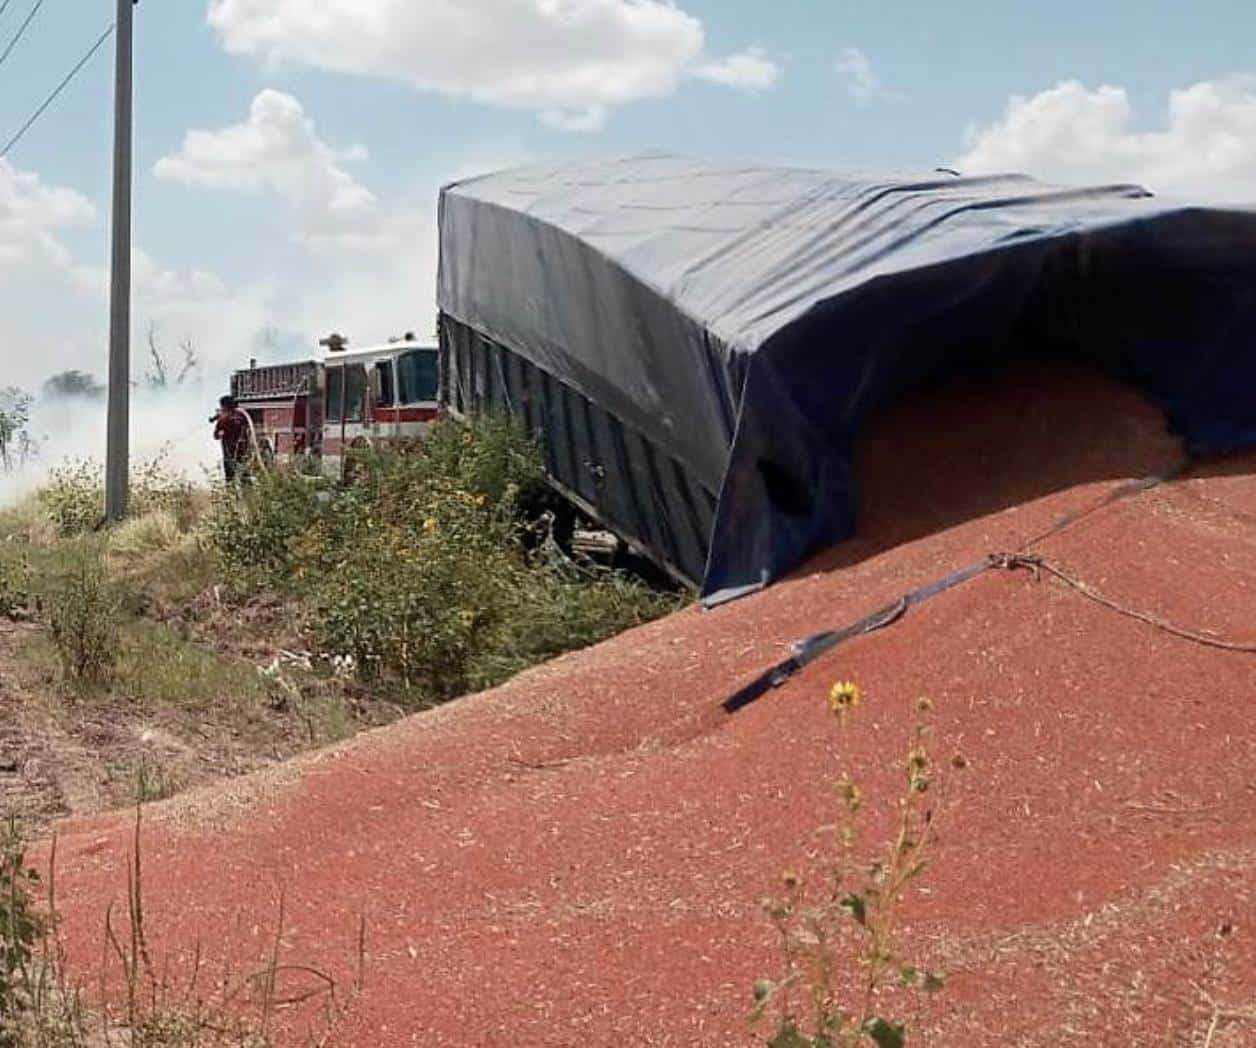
(804, 652)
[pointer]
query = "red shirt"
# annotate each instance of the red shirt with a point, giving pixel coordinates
(232, 428)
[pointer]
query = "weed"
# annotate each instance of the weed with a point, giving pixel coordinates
(253, 531)
(153, 782)
(161, 1010)
(162, 566)
(84, 609)
(153, 533)
(158, 488)
(855, 916)
(553, 609)
(73, 496)
(25, 523)
(40, 1008)
(15, 582)
(20, 929)
(324, 716)
(417, 583)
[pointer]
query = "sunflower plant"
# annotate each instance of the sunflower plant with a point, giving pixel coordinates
(841, 956)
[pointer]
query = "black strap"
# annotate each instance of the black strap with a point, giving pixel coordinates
(811, 648)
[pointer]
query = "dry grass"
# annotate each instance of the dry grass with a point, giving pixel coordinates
(139, 1003)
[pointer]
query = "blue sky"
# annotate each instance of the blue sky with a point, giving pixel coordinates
(384, 99)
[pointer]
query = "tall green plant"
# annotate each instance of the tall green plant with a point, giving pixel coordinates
(254, 530)
(21, 927)
(73, 496)
(15, 581)
(412, 584)
(84, 614)
(822, 1000)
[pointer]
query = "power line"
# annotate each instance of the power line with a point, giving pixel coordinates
(53, 97)
(21, 31)
(4, 6)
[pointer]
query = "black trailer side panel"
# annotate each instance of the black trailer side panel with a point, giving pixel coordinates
(612, 470)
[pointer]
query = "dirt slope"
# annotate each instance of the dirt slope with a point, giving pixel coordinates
(576, 858)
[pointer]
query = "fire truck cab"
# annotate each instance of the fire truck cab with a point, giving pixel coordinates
(376, 395)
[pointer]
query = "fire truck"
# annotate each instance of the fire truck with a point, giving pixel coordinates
(346, 398)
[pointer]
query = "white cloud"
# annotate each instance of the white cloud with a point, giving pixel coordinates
(1206, 147)
(276, 148)
(155, 283)
(570, 61)
(33, 215)
(862, 81)
(54, 291)
(752, 69)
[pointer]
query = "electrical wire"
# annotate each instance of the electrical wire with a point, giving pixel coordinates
(4, 7)
(53, 97)
(21, 31)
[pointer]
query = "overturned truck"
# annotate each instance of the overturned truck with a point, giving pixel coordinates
(700, 345)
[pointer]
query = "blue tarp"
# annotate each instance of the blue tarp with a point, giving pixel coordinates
(746, 320)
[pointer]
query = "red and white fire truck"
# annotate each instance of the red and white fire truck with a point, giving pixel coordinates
(350, 398)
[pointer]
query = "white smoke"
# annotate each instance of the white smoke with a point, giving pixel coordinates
(171, 426)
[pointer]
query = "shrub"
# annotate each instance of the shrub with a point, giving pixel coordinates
(73, 496)
(412, 584)
(417, 570)
(489, 456)
(421, 573)
(254, 530)
(553, 608)
(156, 487)
(84, 609)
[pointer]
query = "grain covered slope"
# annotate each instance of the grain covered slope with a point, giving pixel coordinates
(576, 858)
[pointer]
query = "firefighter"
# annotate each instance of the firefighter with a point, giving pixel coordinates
(231, 428)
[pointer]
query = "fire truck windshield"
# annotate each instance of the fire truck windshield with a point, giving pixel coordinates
(417, 376)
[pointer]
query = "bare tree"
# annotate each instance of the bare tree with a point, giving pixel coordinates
(162, 374)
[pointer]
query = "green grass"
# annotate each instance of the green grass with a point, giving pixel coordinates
(158, 668)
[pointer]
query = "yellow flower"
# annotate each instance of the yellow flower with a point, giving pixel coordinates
(844, 695)
(431, 524)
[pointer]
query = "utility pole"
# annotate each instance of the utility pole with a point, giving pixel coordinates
(117, 445)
